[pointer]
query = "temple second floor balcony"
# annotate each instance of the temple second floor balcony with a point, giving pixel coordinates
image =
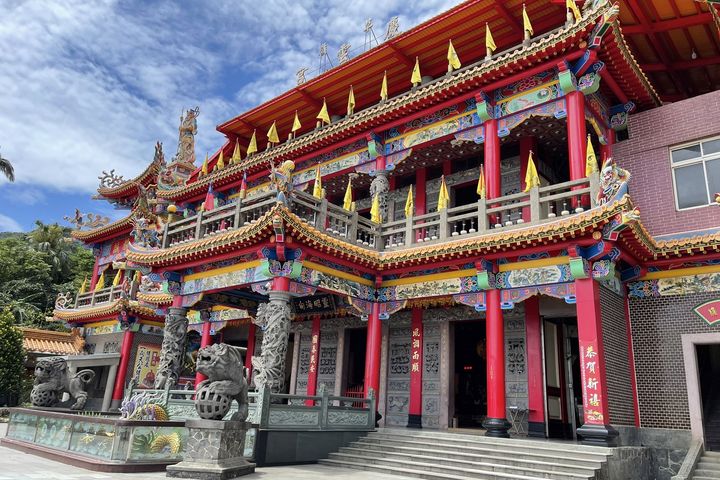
(519, 210)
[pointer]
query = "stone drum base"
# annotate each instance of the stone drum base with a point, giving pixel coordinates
(214, 451)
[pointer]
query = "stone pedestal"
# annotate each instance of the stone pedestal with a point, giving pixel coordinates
(214, 451)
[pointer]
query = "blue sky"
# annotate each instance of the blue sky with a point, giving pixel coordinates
(89, 85)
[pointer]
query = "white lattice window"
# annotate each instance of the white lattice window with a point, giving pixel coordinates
(696, 173)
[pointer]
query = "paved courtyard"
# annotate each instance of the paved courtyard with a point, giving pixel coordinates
(16, 465)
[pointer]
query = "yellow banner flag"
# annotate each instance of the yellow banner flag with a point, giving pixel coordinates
(138, 277)
(204, 168)
(383, 88)
(527, 26)
(375, 215)
(236, 157)
(348, 200)
(83, 287)
(452, 57)
(572, 6)
(351, 102)
(489, 41)
(100, 282)
(296, 123)
(531, 176)
(409, 204)
(416, 78)
(481, 183)
(317, 188)
(590, 159)
(116, 280)
(220, 164)
(272, 134)
(252, 147)
(323, 115)
(443, 196)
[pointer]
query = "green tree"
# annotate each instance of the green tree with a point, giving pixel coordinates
(54, 242)
(12, 359)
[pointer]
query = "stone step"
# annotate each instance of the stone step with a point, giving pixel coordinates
(706, 474)
(706, 464)
(520, 442)
(419, 473)
(467, 468)
(556, 463)
(526, 450)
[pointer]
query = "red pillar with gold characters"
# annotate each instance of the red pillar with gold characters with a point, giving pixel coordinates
(416, 368)
(314, 359)
(125, 352)
(596, 429)
(536, 396)
(496, 422)
(372, 351)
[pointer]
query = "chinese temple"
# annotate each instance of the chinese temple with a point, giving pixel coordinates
(502, 219)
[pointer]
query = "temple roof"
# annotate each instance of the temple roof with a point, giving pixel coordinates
(462, 84)
(129, 188)
(590, 224)
(50, 342)
(109, 310)
(124, 225)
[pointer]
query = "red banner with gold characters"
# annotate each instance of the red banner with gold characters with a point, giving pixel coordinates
(591, 383)
(709, 311)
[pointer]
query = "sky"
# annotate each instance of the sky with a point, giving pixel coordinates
(87, 85)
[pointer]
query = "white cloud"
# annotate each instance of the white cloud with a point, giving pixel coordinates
(90, 86)
(7, 224)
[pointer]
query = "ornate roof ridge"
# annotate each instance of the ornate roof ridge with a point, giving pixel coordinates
(74, 314)
(89, 235)
(446, 82)
(113, 192)
(623, 47)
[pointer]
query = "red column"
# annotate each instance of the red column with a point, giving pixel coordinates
(577, 134)
(596, 429)
(447, 167)
(631, 358)
(372, 352)
(533, 339)
(125, 351)
(205, 340)
(606, 151)
(250, 350)
(314, 359)
(527, 144)
(495, 423)
(420, 196)
(492, 159)
(95, 275)
(416, 367)
(492, 164)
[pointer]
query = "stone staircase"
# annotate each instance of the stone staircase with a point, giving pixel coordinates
(708, 468)
(437, 455)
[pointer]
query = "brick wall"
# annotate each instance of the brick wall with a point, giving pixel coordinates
(646, 154)
(615, 343)
(657, 325)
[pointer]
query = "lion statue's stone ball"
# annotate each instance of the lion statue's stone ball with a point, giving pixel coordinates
(211, 405)
(45, 398)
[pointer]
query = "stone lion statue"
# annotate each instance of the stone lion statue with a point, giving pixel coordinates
(52, 380)
(224, 367)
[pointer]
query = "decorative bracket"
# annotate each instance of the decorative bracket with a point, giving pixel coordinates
(486, 274)
(483, 107)
(619, 115)
(579, 267)
(374, 143)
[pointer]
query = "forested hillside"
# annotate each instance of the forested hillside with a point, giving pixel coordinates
(34, 267)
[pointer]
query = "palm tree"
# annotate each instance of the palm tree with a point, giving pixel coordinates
(7, 169)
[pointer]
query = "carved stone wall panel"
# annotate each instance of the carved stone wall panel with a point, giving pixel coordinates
(398, 379)
(432, 367)
(303, 364)
(516, 385)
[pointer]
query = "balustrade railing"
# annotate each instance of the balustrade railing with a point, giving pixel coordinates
(97, 297)
(539, 205)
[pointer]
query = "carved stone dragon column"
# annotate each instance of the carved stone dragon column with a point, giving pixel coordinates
(274, 319)
(381, 186)
(173, 348)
